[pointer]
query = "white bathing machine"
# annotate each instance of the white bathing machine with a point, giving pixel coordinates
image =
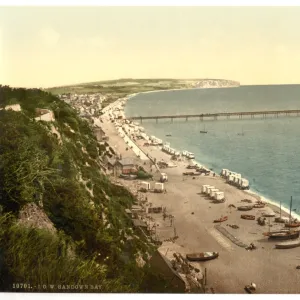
(208, 189)
(219, 196)
(190, 155)
(166, 148)
(239, 182)
(224, 172)
(158, 187)
(230, 178)
(159, 141)
(229, 173)
(204, 188)
(145, 186)
(244, 185)
(213, 192)
(236, 179)
(172, 151)
(237, 175)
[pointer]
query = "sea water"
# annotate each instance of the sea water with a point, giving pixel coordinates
(265, 151)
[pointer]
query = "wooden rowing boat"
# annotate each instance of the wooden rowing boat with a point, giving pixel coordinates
(281, 219)
(202, 256)
(284, 235)
(248, 217)
(246, 200)
(268, 214)
(288, 245)
(292, 225)
(191, 173)
(222, 219)
(245, 208)
(259, 205)
(272, 232)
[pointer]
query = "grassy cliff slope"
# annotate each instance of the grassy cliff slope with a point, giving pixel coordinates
(62, 222)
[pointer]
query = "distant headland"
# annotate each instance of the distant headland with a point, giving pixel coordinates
(216, 83)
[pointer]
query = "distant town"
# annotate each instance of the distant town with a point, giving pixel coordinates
(87, 105)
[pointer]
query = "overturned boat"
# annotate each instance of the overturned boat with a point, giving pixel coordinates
(288, 245)
(202, 256)
(248, 217)
(245, 208)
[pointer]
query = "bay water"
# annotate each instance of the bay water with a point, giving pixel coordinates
(263, 150)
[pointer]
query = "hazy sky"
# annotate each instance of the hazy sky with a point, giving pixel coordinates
(42, 47)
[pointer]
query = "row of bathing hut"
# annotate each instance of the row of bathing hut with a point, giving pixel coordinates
(213, 193)
(235, 179)
(123, 126)
(157, 188)
(155, 141)
(167, 148)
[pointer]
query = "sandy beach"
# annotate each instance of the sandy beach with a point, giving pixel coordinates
(273, 270)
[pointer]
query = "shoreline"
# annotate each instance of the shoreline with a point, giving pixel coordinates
(274, 203)
(195, 230)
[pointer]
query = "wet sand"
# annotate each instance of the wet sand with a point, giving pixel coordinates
(273, 270)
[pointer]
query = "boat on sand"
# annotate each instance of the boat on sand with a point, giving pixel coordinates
(248, 217)
(289, 235)
(292, 225)
(268, 214)
(278, 231)
(288, 245)
(222, 219)
(245, 208)
(259, 205)
(202, 256)
(281, 220)
(246, 200)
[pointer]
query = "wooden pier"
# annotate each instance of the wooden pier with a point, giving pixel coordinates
(227, 115)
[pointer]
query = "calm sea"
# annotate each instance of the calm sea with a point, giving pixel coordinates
(267, 151)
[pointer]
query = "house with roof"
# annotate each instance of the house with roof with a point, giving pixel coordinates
(125, 166)
(99, 133)
(110, 164)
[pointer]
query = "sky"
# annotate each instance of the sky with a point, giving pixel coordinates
(55, 46)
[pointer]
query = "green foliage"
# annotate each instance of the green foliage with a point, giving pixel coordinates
(39, 257)
(89, 246)
(91, 148)
(143, 175)
(23, 163)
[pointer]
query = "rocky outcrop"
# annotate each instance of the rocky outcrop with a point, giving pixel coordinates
(216, 83)
(34, 216)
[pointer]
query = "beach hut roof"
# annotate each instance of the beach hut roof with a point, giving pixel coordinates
(111, 161)
(126, 161)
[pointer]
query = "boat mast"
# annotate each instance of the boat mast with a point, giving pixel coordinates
(291, 209)
(280, 209)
